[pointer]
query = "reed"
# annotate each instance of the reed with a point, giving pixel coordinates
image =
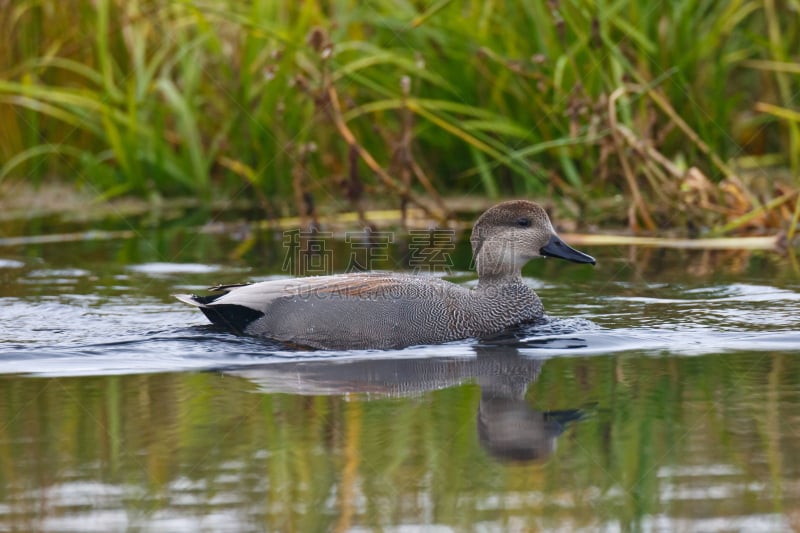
(342, 102)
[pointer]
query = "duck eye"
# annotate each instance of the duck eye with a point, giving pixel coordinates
(523, 222)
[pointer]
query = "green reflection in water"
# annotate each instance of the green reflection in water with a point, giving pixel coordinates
(650, 441)
(659, 438)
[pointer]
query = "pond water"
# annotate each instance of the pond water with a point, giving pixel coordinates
(663, 395)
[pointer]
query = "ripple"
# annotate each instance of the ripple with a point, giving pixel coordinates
(59, 273)
(90, 334)
(162, 269)
(11, 263)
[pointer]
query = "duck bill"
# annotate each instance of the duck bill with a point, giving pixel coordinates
(555, 247)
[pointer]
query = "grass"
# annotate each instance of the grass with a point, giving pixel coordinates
(688, 110)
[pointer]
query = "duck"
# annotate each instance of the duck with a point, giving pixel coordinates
(379, 310)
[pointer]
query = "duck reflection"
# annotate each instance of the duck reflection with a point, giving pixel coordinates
(508, 428)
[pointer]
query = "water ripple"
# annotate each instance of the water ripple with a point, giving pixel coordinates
(118, 328)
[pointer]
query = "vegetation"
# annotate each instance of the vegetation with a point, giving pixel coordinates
(673, 114)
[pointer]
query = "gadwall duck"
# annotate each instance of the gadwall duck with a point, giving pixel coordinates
(382, 310)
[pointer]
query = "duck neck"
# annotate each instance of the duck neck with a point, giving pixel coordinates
(496, 263)
(497, 274)
(485, 281)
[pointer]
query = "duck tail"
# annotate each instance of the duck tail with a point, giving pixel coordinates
(230, 316)
(196, 301)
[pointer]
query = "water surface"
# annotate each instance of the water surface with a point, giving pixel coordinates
(662, 395)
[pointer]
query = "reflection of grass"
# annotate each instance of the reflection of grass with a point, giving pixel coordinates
(201, 443)
(571, 99)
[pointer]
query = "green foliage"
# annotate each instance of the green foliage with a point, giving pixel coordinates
(212, 97)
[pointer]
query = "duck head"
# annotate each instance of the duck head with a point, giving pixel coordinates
(510, 234)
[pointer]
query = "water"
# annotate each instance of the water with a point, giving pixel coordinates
(663, 395)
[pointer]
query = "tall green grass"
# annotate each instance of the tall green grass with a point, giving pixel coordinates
(221, 97)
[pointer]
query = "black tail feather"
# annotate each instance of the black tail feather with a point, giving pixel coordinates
(233, 317)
